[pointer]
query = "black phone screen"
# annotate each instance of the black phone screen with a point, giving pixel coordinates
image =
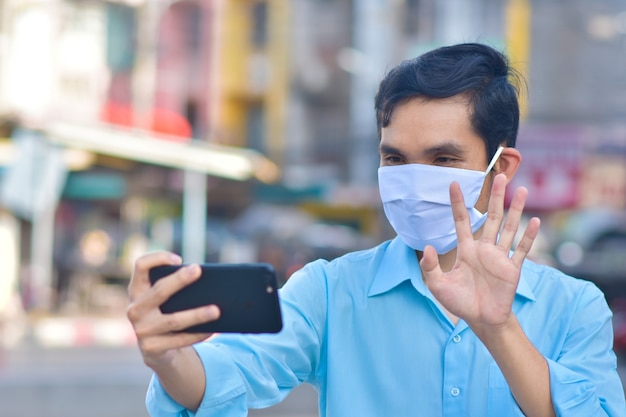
(247, 295)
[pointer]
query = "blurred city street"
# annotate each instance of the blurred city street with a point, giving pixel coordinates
(97, 380)
(86, 377)
(236, 131)
(75, 381)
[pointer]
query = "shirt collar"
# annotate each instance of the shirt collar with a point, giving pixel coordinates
(523, 287)
(400, 264)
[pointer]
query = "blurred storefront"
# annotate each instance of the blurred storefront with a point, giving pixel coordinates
(130, 89)
(143, 100)
(140, 95)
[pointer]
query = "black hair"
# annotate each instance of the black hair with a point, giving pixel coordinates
(476, 71)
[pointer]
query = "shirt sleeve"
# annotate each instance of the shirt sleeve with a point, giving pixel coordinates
(584, 379)
(257, 371)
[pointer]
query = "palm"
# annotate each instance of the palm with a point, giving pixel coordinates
(481, 285)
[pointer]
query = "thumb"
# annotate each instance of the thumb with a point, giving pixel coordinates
(429, 264)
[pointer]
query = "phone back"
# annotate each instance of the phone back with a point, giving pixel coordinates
(247, 295)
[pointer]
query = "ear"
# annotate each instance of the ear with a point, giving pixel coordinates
(508, 163)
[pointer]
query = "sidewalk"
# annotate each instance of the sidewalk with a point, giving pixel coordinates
(92, 381)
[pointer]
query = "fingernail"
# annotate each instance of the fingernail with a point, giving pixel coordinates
(176, 259)
(212, 312)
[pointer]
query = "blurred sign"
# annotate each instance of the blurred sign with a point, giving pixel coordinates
(33, 183)
(95, 186)
(552, 160)
(604, 181)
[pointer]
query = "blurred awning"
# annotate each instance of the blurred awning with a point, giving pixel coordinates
(217, 160)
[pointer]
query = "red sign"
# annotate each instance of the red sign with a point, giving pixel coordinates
(552, 158)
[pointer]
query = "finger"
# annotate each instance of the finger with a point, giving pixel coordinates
(495, 210)
(164, 288)
(143, 303)
(176, 322)
(429, 264)
(513, 218)
(139, 281)
(526, 243)
(459, 213)
(156, 345)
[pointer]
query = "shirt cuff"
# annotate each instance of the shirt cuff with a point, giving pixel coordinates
(224, 382)
(159, 403)
(572, 394)
(224, 393)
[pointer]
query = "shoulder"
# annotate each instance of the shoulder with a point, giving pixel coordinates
(551, 284)
(358, 261)
(352, 266)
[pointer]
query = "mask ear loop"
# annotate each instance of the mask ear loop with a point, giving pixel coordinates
(494, 159)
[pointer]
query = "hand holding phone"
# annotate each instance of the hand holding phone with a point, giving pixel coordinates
(246, 294)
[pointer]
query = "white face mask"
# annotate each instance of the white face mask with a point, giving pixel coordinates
(416, 200)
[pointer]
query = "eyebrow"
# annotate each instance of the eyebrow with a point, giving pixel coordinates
(390, 149)
(445, 148)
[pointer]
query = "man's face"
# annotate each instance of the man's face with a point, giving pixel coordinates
(435, 132)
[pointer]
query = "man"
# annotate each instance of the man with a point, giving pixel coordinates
(444, 320)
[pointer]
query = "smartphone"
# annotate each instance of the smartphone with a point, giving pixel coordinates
(247, 295)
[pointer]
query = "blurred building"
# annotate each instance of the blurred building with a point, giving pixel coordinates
(92, 76)
(135, 95)
(575, 133)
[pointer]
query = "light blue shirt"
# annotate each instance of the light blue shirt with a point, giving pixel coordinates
(368, 335)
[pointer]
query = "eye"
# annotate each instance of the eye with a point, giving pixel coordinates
(391, 159)
(445, 160)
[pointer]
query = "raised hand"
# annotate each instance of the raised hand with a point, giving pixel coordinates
(480, 287)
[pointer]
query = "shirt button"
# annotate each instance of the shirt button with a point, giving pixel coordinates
(455, 392)
(457, 338)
